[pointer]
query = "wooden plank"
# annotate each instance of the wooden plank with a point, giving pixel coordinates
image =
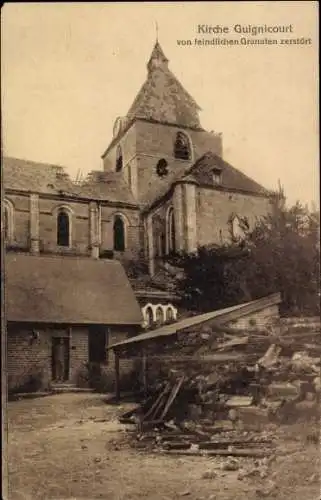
(150, 424)
(233, 453)
(156, 404)
(209, 445)
(117, 381)
(130, 413)
(144, 368)
(172, 397)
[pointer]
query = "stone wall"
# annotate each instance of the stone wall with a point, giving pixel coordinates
(40, 221)
(214, 209)
(145, 143)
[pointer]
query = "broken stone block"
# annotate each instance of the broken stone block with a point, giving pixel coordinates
(253, 417)
(301, 361)
(236, 401)
(233, 416)
(231, 464)
(317, 384)
(266, 491)
(285, 391)
(310, 396)
(210, 474)
(270, 358)
(307, 409)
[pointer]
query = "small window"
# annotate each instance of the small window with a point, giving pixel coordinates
(119, 234)
(97, 344)
(159, 316)
(182, 148)
(63, 229)
(239, 227)
(217, 176)
(162, 168)
(169, 314)
(119, 159)
(149, 316)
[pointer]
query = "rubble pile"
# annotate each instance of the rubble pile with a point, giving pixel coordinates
(219, 395)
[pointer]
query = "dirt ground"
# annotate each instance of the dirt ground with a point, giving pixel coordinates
(71, 446)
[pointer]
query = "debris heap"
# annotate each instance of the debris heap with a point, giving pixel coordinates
(218, 393)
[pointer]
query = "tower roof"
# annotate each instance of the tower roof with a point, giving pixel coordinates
(162, 97)
(157, 57)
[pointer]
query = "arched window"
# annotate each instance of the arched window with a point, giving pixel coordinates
(182, 148)
(169, 314)
(8, 221)
(160, 244)
(119, 234)
(149, 316)
(63, 229)
(170, 231)
(159, 316)
(6, 224)
(239, 227)
(119, 159)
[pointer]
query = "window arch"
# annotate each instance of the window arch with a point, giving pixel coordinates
(239, 227)
(182, 147)
(159, 316)
(8, 221)
(119, 159)
(119, 234)
(63, 228)
(169, 314)
(170, 231)
(5, 223)
(149, 317)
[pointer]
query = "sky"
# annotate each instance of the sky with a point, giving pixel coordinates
(68, 70)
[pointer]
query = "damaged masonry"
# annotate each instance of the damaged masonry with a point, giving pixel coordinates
(212, 387)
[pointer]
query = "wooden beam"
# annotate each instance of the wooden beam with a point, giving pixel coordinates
(117, 378)
(144, 368)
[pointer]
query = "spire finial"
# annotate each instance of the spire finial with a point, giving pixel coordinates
(156, 26)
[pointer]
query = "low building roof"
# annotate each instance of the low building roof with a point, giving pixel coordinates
(221, 316)
(71, 290)
(42, 178)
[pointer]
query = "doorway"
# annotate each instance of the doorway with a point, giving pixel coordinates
(60, 359)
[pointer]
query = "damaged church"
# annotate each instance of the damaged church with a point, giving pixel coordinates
(84, 259)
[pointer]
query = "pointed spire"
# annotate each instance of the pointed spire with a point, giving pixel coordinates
(157, 58)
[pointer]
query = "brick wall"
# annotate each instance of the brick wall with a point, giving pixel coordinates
(27, 355)
(214, 209)
(78, 351)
